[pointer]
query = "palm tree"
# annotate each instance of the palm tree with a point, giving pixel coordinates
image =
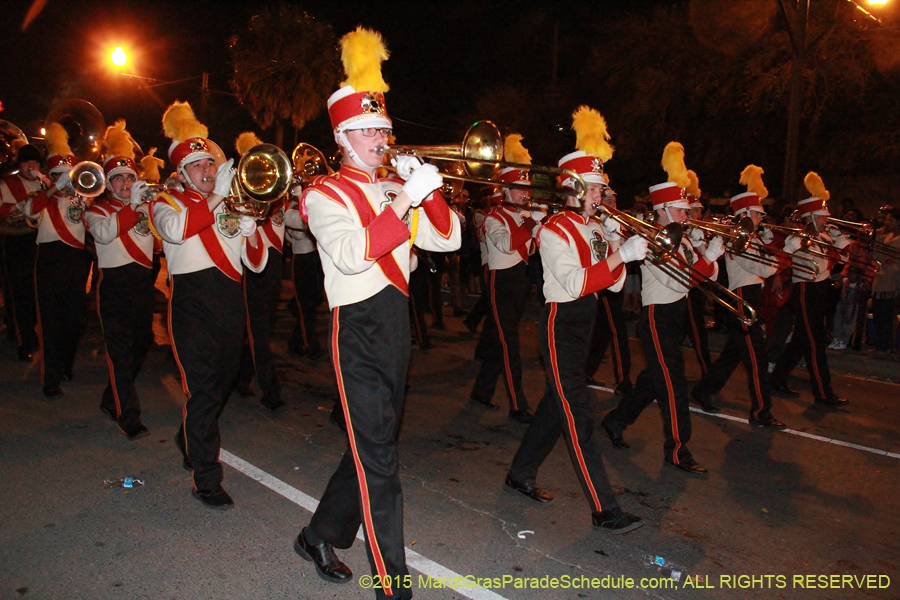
(286, 64)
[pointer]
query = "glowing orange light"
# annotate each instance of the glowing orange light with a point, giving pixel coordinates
(118, 57)
(878, 2)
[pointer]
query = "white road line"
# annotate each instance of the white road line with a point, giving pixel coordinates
(804, 434)
(414, 560)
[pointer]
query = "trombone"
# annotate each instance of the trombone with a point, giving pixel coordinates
(809, 235)
(481, 153)
(665, 243)
(865, 234)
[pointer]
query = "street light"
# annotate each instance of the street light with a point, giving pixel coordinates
(118, 57)
(878, 2)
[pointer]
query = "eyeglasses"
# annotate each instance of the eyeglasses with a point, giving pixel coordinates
(371, 131)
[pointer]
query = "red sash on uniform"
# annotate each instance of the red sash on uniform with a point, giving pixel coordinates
(59, 224)
(513, 226)
(387, 263)
(195, 201)
(584, 251)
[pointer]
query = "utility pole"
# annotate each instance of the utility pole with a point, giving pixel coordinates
(553, 68)
(796, 13)
(204, 96)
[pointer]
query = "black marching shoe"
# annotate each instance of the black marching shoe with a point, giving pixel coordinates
(488, 405)
(527, 489)
(691, 466)
(521, 416)
(705, 402)
(273, 404)
(136, 432)
(66, 375)
(617, 521)
(615, 434)
(769, 422)
(314, 355)
(337, 417)
(783, 391)
(109, 412)
(52, 390)
(216, 499)
(832, 401)
(328, 565)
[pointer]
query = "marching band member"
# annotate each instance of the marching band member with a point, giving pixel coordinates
(661, 327)
(696, 298)
(19, 249)
(121, 231)
(811, 300)
(610, 328)
(509, 238)
(364, 243)
(62, 264)
(307, 277)
(261, 291)
(150, 166)
(483, 304)
(746, 343)
(205, 247)
(578, 262)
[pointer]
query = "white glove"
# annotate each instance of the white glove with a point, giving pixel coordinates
(611, 230)
(697, 236)
(137, 191)
(634, 248)
(422, 182)
(297, 191)
(715, 249)
(405, 165)
(766, 236)
(792, 243)
(224, 175)
(64, 181)
(538, 215)
(247, 225)
(834, 232)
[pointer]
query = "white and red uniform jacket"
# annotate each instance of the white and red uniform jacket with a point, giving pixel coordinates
(302, 241)
(659, 288)
(509, 237)
(14, 191)
(58, 218)
(195, 239)
(573, 253)
(271, 230)
(744, 271)
(823, 263)
(122, 234)
(363, 246)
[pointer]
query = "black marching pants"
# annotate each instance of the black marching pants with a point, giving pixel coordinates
(498, 347)
(697, 328)
(19, 252)
(661, 329)
(808, 340)
(482, 306)
(261, 291)
(567, 405)
(125, 308)
(609, 327)
(745, 345)
(370, 347)
(61, 273)
(206, 326)
(306, 270)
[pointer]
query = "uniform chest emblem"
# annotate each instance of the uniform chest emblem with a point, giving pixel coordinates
(688, 255)
(278, 217)
(599, 246)
(74, 212)
(143, 225)
(227, 225)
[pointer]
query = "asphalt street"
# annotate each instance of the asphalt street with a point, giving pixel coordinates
(775, 508)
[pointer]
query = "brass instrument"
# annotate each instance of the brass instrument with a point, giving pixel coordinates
(11, 139)
(481, 154)
(264, 175)
(309, 163)
(86, 179)
(152, 190)
(84, 124)
(665, 243)
(865, 233)
(810, 236)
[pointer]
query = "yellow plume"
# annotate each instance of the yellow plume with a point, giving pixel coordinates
(591, 136)
(673, 164)
(816, 186)
(514, 151)
(752, 178)
(362, 52)
(693, 187)
(57, 140)
(245, 141)
(117, 141)
(150, 166)
(180, 123)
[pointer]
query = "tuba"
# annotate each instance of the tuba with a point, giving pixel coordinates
(11, 139)
(84, 124)
(263, 176)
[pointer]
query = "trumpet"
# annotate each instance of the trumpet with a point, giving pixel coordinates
(86, 179)
(665, 243)
(481, 154)
(152, 190)
(264, 175)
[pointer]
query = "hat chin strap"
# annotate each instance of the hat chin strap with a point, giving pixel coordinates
(190, 182)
